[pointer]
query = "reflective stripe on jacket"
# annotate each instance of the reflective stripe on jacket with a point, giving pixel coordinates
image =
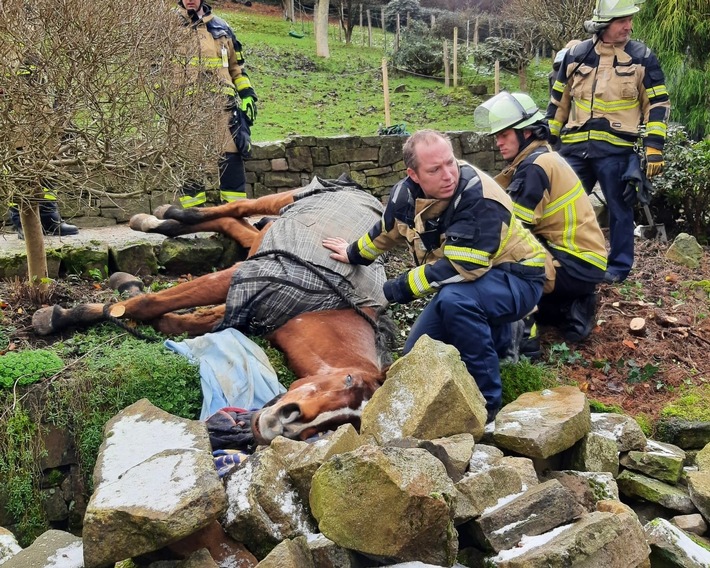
(454, 239)
(219, 51)
(549, 199)
(613, 88)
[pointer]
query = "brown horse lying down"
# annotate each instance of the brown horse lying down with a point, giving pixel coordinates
(321, 313)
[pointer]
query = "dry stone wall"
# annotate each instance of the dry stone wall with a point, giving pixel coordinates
(374, 162)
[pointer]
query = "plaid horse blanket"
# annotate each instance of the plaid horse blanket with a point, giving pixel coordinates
(269, 290)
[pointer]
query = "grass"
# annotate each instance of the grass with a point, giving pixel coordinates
(301, 94)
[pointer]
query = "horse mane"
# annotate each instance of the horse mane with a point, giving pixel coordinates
(385, 338)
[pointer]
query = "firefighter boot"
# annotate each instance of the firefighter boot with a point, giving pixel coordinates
(52, 223)
(580, 318)
(530, 343)
(15, 218)
(512, 353)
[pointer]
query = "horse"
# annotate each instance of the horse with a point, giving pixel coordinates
(325, 316)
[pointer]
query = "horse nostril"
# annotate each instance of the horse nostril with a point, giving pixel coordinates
(289, 412)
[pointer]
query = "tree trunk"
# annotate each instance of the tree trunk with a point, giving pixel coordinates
(320, 22)
(523, 77)
(34, 243)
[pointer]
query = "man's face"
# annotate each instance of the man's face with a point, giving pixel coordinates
(437, 171)
(191, 4)
(618, 31)
(507, 143)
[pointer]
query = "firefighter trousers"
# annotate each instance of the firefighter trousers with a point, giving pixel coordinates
(475, 318)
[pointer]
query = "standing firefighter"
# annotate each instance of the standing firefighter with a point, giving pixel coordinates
(607, 90)
(548, 198)
(219, 52)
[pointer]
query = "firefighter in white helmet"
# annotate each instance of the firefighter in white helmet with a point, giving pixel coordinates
(608, 91)
(548, 198)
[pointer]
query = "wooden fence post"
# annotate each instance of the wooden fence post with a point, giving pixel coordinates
(386, 91)
(456, 50)
(496, 79)
(446, 63)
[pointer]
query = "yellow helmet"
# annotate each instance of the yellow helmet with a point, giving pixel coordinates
(607, 10)
(506, 110)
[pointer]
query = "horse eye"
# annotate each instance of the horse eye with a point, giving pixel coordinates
(348, 381)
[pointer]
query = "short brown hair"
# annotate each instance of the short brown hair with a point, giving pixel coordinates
(426, 136)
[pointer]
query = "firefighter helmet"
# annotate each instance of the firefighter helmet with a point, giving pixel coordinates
(607, 10)
(506, 110)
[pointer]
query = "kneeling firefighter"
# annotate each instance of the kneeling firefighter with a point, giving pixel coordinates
(549, 199)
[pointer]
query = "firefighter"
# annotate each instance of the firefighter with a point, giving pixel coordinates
(548, 198)
(607, 87)
(221, 53)
(484, 270)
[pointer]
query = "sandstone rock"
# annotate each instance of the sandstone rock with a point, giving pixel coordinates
(289, 554)
(136, 258)
(484, 488)
(315, 454)
(623, 429)
(534, 512)
(685, 434)
(198, 559)
(660, 461)
(428, 394)
(699, 490)
(588, 488)
(524, 467)
(458, 449)
(221, 547)
(264, 506)
(542, 424)
(670, 546)
(702, 459)
(685, 250)
(82, 259)
(153, 492)
(639, 486)
(327, 554)
(362, 498)
(189, 255)
(52, 549)
(596, 540)
(595, 452)
(690, 523)
(484, 456)
(8, 545)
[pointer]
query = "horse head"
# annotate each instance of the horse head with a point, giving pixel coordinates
(315, 404)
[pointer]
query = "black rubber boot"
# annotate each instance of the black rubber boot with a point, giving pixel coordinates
(16, 223)
(580, 318)
(530, 343)
(512, 352)
(52, 223)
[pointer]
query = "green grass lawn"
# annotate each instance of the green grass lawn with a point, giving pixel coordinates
(301, 94)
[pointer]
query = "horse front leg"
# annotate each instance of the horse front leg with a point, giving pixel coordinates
(207, 290)
(239, 230)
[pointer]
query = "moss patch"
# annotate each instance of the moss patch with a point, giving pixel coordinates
(692, 406)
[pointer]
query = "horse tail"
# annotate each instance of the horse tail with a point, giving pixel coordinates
(385, 337)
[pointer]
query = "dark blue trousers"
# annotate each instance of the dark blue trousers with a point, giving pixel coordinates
(475, 318)
(607, 171)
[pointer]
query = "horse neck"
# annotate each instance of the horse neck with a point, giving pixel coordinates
(316, 342)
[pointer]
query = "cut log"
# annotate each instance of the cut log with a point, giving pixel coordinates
(638, 326)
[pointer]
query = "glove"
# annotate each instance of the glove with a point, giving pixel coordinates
(396, 291)
(654, 162)
(249, 109)
(629, 194)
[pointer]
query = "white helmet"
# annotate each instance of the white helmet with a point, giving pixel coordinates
(607, 10)
(506, 110)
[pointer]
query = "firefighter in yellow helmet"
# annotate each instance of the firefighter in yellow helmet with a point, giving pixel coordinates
(548, 198)
(610, 90)
(221, 53)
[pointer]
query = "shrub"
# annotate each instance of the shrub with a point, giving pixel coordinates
(508, 52)
(420, 52)
(446, 22)
(402, 7)
(524, 377)
(684, 186)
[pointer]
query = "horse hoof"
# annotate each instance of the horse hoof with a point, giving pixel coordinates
(125, 283)
(144, 223)
(159, 212)
(42, 320)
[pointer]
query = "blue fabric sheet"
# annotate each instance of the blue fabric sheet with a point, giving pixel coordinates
(234, 370)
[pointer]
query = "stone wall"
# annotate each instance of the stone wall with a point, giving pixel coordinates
(375, 162)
